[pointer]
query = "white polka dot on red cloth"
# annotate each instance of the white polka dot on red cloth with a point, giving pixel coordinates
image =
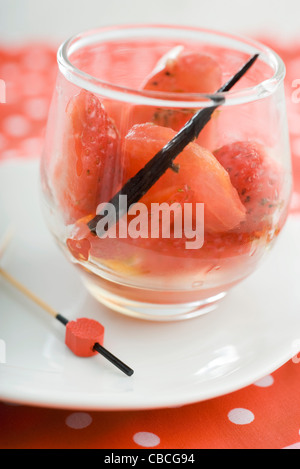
(16, 125)
(33, 84)
(294, 119)
(36, 108)
(13, 93)
(241, 416)
(265, 382)
(146, 439)
(10, 70)
(294, 446)
(37, 59)
(79, 420)
(296, 147)
(32, 146)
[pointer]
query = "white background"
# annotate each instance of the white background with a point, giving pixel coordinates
(56, 20)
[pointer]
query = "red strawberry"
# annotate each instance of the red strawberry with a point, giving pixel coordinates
(257, 179)
(86, 174)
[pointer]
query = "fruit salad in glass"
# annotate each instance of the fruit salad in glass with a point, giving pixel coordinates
(122, 94)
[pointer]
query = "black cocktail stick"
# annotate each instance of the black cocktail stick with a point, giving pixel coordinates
(102, 351)
(142, 182)
(97, 347)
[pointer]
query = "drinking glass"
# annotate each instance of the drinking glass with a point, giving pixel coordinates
(122, 93)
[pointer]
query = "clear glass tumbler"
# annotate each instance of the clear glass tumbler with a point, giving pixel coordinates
(203, 224)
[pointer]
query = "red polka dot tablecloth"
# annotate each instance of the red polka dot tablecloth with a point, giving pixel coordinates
(265, 415)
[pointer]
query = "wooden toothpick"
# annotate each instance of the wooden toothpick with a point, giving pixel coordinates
(6, 240)
(25, 291)
(96, 347)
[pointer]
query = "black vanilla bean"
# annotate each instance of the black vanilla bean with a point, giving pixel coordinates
(142, 182)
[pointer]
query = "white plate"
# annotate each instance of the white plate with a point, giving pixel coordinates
(253, 332)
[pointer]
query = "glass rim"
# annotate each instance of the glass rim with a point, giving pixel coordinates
(162, 99)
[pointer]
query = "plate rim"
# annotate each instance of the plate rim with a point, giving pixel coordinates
(29, 398)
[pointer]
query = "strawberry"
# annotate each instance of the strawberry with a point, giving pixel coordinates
(256, 177)
(86, 175)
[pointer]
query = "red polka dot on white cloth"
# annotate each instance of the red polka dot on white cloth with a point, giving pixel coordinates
(78, 420)
(146, 439)
(265, 382)
(16, 125)
(241, 416)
